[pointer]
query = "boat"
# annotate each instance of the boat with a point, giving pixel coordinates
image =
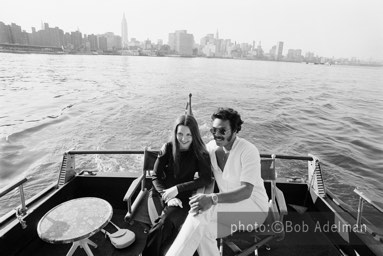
(334, 227)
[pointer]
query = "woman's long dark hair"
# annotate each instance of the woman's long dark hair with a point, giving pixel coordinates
(197, 144)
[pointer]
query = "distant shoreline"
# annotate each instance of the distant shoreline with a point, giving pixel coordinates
(2, 50)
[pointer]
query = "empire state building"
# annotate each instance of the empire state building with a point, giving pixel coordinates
(124, 32)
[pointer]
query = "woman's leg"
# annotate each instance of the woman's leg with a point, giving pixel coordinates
(164, 231)
(191, 234)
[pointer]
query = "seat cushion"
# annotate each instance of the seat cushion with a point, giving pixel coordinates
(149, 209)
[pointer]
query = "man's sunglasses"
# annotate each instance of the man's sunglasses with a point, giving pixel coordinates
(214, 130)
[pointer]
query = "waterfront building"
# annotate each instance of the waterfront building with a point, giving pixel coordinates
(134, 43)
(76, 40)
(172, 41)
(226, 48)
(212, 46)
(34, 37)
(310, 57)
(93, 44)
(203, 41)
(259, 50)
(181, 42)
(5, 34)
(18, 36)
(245, 49)
(209, 38)
(102, 43)
(113, 41)
(124, 33)
(52, 36)
(86, 44)
(160, 43)
(67, 41)
(273, 52)
(279, 51)
(294, 55)
(209, 50)
(220, 47)
(147, 44)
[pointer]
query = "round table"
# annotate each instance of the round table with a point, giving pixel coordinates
(74, 222)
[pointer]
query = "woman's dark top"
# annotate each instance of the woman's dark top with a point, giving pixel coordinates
(164, 175)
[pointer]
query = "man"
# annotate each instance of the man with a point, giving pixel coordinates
(237, 171)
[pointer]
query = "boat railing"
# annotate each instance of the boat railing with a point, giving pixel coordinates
(67, 172)
(110, 152)
(68, 165)
(288, 157)
(372, 199)
(22, 210)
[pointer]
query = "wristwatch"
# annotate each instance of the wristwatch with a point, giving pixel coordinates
(214, 198)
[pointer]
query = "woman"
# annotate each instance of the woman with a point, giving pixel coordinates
(173, 178)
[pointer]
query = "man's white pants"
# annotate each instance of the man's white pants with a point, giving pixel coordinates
(201, 231)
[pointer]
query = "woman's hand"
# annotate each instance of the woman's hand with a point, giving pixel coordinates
(170, 193)
(175, 202)
(199, 203)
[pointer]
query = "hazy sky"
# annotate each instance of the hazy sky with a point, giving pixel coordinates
(339, 28)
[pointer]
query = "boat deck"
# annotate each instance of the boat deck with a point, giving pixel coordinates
(300, 243)
(104, 247)
(27, 242)
(284, 247)
(295, 243)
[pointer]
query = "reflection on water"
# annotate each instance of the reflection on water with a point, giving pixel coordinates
(51, 104)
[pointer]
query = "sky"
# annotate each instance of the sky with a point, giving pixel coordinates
(330, 28)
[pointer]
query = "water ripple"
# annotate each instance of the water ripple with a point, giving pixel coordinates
(55, 103)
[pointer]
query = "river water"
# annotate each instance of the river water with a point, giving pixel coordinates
(51, 104)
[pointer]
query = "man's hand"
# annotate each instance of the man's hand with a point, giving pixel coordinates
(175, 202)
(170, 193)
(199, 203)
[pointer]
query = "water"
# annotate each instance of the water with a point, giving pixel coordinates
(51, 104)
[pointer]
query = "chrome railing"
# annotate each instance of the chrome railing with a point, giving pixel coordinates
(67, 173)
(22, 210)
(366, 196)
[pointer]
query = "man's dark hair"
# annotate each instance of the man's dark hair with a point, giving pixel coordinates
(231, 115)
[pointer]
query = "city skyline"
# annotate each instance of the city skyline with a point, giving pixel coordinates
(341, 29)
(73, 41)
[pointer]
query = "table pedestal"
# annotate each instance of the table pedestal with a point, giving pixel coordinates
(83, 244)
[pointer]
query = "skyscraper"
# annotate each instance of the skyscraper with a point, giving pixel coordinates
(124, 32)
(259, 50)
(279, 50)
(5, 33)
(181, 42)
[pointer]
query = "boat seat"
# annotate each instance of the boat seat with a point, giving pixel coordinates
(148, 206)
(142, 201)
(277, 211)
